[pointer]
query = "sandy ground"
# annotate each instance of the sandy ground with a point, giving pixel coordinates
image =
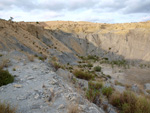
(133, 75)
(140, 76)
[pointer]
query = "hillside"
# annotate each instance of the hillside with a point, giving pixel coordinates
(129, 40)
(72, 67)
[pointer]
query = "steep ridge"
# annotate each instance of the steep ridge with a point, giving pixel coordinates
(130, 40)
(115, 41)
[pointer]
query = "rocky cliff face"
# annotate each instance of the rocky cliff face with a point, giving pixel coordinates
(130, 40)
(115, 41)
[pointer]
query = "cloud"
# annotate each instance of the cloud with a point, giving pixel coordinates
(137, 6)
(47, 4)
(146, 18)
(111, 5)
(76, 10)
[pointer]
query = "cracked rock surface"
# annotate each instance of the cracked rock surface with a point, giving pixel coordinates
(37, 89)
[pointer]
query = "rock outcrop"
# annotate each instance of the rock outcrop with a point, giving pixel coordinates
(37, 89)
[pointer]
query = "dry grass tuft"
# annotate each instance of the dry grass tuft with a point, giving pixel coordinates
(6, 108)
(73, 109)
(118, 83)
(54, 58)
(31, 58)
(128, 102)
(4, 63)
(56, 65)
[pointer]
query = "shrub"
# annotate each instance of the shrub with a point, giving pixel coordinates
(92, 57)
(74, 80)
(89, 65)
(97, 68)
(1, 55)
(83, 75)
(119, 63)
(95, 85)
(79, 61)
(115, 99)
(105, 58)
(5, 77)
(42, 58)
(82, 57)
(143, 105)
(93, 92)
(108, 76)
(148, 91)
(128, 102)
(107, 91)
(125, 102)
(94, 96)
(36, 55)
(56, 65)
(6, 108)
(70, 68)
(80, 66)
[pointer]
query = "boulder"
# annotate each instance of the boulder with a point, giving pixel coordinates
(120, 89)
(147, 86)
(135, 88)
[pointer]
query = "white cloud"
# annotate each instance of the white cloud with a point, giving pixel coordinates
(146, 18)
(112, 11)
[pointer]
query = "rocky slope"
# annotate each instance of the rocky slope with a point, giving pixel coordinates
(38, 89)
(129, 40)
(115, 41)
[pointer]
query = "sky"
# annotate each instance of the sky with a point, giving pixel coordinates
(101, 11)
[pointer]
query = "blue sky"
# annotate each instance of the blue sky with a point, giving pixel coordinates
(102, 11)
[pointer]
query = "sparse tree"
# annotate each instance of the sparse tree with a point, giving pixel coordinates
(11, 19)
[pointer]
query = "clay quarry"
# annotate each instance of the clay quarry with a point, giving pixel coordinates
(74, 67)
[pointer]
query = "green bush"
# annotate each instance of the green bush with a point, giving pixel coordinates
(83, 75)
(14, 69)
(6, 108)
(120, 63)
(97, 68)
(108, 76)
(107, 91)
(92, 57)
(42, 58)
(5, 77)
(93, 93)
(89, 65)
(93, 96)
(95, 85)
(105, 58)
